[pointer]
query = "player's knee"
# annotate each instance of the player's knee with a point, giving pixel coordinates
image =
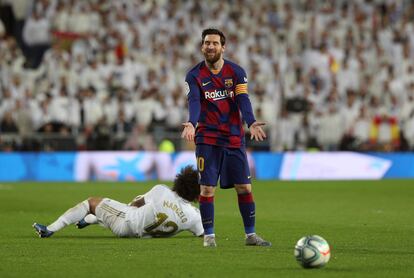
(93, 203)
(207, 191)
(243, 188)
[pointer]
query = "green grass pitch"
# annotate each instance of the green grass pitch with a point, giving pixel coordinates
(368, 224)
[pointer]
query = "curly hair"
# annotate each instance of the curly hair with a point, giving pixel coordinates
(186, 184)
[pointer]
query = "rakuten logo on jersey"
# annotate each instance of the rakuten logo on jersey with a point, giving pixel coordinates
(217, 95)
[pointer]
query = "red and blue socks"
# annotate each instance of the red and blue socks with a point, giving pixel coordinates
(248, 211)
(207, 214)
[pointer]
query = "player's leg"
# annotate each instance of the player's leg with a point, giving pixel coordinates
(208, 159)
(247, 209)
(235, 171)
(206, 201)
(112, 215)
(89, 219)
(71, 216)
(247, 206)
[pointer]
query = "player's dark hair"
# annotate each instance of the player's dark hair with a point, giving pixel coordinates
(186, 184)
(212, 31)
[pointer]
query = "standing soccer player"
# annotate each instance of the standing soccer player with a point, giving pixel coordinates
(217, 93)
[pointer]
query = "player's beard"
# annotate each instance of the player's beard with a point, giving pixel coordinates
(212, 59)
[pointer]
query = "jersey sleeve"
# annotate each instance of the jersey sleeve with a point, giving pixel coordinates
(197, 228)
(193, 96)
(154, 193)
(242, 96)
(241, 81)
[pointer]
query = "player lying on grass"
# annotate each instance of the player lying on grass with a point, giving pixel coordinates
(161, 212)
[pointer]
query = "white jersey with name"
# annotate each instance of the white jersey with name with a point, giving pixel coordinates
(164, 214)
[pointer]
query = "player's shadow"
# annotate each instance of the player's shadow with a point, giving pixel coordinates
(86, 237)
(57, 237)
(176, 237)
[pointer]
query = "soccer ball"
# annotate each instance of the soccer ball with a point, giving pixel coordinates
(312, 251)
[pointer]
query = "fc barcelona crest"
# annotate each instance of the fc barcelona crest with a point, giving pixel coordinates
(228, 83)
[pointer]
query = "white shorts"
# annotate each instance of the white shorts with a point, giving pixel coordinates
(112, 215)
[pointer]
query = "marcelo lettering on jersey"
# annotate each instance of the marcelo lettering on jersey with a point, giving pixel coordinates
(217, 95)
(176, 209)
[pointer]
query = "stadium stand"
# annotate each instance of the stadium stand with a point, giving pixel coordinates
(101, 74)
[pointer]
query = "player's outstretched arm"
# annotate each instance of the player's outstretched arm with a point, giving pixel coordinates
(256, 131)
(188, 132)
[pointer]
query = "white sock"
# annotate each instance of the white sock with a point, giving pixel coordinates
(247, 235)
(91, 219)
(71, 216)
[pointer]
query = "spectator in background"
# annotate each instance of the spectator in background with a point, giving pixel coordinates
(110, 107)
(17, 87)
(92, 107)
(305, 136)
(140, 139)
(175, 110)
(285, 47)
(359, 131)
(6, 103)
(36, 35)
(23, 118)
(266, 104)
(43, 115)
(409, 130)
(347, 78)
(407, 108)
(120, 129)
(101, 136)
(350, 109)
(144, 108)
(59, 107)
(329, 134)
(92, 77)
(7, 124)
(284, 134)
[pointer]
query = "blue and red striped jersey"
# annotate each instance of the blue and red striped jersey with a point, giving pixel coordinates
(216, 100)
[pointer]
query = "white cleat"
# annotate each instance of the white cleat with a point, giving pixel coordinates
(209, 241)
(255, 240)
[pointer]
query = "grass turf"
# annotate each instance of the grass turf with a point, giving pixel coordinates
(369, 225)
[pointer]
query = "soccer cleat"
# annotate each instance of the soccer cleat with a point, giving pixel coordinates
(42, 230)
(255, 240)
(82, 224)
(209, 241)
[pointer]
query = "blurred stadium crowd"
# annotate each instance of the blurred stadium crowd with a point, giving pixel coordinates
(101, 74)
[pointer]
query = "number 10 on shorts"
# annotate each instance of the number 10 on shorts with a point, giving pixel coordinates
(200, 163)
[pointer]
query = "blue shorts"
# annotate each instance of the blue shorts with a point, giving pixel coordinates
(228, 164)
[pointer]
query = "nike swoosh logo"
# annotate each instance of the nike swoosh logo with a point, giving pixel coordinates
(205, 84)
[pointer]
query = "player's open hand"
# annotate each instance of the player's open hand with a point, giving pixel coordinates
(188, 132)
(256, 131)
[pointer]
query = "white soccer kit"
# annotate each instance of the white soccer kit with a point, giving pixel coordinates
(164, 214)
